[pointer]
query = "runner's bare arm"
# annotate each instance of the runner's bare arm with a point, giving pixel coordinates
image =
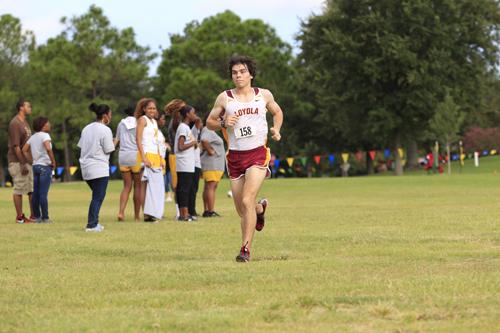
(214, 118)
(277, 113)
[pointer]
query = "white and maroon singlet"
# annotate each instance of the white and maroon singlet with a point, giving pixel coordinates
(250, 130)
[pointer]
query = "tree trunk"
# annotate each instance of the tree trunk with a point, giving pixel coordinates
(66, 151)
(412, 160)
(369, 164)
(398, 169)
(436, 157)
(448, 156)
(94, 90)
(2, 174)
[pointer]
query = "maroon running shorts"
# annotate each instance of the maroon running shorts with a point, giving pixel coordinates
(239, 161)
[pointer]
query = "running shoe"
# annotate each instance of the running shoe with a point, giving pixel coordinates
(185, 219)
(214, 214)
(46, 221)
(260, 217)
(244, 255)
(97, 228)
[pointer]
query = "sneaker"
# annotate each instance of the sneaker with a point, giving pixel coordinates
(194, 217)
(260, 217)
(210, 214)
(244, 255)
(35, 219)
(97, 228)
(46, 221)
(185, 219)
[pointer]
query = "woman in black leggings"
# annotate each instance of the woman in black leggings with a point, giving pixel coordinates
(184, 148)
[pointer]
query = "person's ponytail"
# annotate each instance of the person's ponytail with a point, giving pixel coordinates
(93, 107)
(99, 110)
(172, 109)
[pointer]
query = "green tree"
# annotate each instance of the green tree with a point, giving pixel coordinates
(14, 47)
(89, 61)
(381, 67)
(194, 67)
(446, 123)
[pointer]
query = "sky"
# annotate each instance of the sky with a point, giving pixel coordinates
(154, 20)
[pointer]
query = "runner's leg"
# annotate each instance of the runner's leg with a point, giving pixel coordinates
(254, 177)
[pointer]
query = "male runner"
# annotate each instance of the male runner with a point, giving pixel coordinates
(241, 114)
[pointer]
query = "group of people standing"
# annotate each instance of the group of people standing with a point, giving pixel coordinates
(143, 160)
(147, 159)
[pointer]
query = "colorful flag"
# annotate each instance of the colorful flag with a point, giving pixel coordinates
(72, 170)
(372, 154)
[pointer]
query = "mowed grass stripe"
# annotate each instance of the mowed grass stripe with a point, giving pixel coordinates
(371, 254)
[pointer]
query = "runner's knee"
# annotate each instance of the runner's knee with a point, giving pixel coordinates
(248, 202)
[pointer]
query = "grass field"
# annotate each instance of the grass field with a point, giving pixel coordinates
(371, 254)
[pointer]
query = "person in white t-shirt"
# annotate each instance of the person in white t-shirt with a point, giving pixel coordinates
(171, 109)
(40, 146)
(184, 147)
(196, 130)
(96, 144)
(241, 113)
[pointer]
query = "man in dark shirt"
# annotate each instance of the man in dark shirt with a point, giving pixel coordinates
(19, 167)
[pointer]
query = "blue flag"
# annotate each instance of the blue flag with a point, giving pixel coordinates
(276, 163)
(387, 153)
(59, 170)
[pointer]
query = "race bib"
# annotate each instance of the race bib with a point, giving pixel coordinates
(244, 132)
